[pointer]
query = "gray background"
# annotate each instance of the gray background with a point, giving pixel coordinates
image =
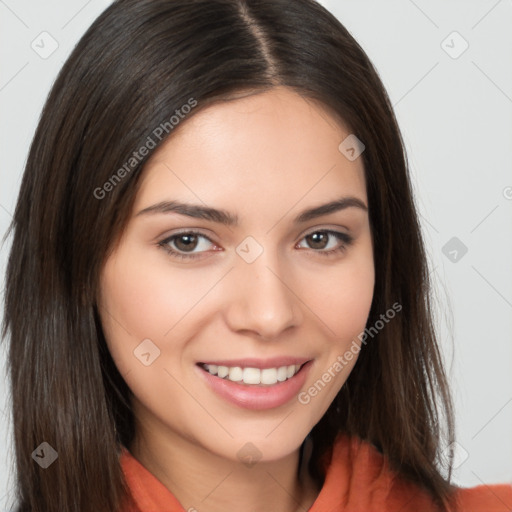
(454, 108)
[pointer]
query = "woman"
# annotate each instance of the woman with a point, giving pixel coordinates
(217, 295)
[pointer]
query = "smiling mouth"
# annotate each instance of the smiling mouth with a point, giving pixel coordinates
(253, 376)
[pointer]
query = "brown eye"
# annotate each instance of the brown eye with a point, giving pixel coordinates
(186, 242)
(327, 242)
(318, 240)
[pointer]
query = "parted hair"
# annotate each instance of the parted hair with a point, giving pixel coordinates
(138, 63)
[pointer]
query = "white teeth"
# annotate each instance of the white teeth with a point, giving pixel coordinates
(282, 373)
(267, 376)
(235, 374)
(222, 371)
(251, 376)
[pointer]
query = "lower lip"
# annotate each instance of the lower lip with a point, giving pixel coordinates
(251, 396)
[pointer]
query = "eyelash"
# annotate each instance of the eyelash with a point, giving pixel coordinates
(343, 237)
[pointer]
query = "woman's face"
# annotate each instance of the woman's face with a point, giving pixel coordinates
(229, 260)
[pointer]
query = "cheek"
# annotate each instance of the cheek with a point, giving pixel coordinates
(342, 306)
(342, 299)
(139, 308)
(142, 300)
(342, 310)
(129, 307)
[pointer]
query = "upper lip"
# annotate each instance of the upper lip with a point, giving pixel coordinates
(252, 362)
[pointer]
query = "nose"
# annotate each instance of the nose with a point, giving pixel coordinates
(263, 301)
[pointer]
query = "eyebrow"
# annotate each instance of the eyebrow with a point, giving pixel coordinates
(228, 219)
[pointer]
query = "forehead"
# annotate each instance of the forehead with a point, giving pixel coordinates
(268, 150)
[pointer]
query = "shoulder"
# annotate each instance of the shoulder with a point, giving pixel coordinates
(359, 477)
(485, 498)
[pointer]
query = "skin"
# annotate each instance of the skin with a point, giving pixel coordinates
(265, 158)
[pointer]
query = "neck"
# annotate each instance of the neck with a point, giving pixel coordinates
(201, 480)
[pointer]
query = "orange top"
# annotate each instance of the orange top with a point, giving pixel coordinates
(358, 479)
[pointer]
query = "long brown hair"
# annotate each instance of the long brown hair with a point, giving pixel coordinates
(138, 63)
